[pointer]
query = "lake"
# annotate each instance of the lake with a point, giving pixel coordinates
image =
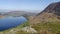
(9, 22)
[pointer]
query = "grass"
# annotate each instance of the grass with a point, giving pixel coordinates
(52, 26)
(23, 25)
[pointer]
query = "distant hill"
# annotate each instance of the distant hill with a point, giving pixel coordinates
(18, 13)
(52, 12)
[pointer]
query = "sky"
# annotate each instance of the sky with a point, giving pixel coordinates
(25, 4)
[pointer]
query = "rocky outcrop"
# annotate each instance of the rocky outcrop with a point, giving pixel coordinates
(29, 29)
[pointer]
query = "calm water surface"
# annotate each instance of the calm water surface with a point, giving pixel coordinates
(10, 22)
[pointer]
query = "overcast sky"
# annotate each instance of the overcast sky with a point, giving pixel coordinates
(25, 4)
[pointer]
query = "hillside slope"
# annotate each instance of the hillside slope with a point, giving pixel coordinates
(51, 12)
(48, 21)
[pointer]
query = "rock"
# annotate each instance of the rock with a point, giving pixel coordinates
(29, 29)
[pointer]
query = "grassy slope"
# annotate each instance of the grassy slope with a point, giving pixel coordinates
(52, 26)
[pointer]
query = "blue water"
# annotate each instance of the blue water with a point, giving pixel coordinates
(10, 22)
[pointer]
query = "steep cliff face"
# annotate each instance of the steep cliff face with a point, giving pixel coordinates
(52, 8)
(52, 12)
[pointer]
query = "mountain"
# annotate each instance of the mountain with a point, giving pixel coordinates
(19, 13)
(52, 12)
